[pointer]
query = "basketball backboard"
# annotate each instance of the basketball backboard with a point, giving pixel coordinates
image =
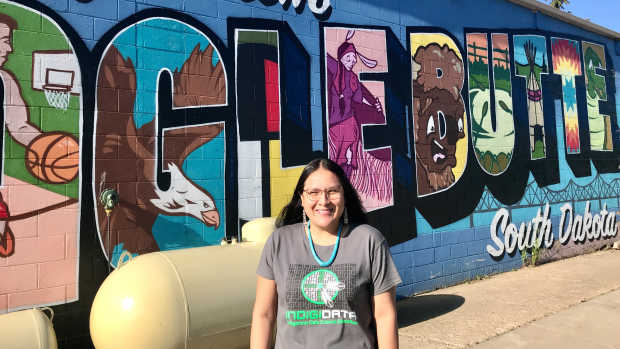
(56, 70)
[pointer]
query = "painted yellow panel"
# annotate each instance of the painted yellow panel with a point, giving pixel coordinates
(423, 39)
(282, 181)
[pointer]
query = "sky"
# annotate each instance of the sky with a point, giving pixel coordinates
(601, 12)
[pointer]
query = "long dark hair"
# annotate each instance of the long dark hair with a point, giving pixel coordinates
(291, 213)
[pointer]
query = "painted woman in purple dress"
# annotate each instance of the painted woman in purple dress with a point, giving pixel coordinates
(344, 91)
(350, 105)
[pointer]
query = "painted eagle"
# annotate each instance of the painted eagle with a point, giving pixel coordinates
(125, 154)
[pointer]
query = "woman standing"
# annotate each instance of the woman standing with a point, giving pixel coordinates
(327, 278)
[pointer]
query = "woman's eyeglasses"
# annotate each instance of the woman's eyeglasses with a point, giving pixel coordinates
(316, 194)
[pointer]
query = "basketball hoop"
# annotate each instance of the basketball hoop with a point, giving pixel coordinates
(56, 73)
(57, 96)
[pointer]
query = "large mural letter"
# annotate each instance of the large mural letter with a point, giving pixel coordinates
(567, 64)
(493, 129)
(160, 139)
(439, 119)
(275, 131)
(531, 61)
(40, 183)
(353, 103)
(601, 137)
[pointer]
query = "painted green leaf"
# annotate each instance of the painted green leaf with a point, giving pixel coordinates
(485, 109)
(484, 136)
(473, 94)
(505, 107)
(477, 128)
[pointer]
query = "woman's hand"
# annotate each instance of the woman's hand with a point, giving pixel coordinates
(384, 310)
(264, 313)
(378, 105)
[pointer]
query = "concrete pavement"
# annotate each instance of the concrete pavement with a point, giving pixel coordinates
(592, 324)
(570, 303)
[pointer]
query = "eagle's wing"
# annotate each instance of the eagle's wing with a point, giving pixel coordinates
(182, 142)
(119, 148)
(119, 144)
(130, 229)
(116, 95)
(199, 82)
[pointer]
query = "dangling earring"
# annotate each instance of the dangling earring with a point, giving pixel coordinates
(346, 216)
(303, 217)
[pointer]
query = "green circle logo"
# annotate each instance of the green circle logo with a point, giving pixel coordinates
(321, 287)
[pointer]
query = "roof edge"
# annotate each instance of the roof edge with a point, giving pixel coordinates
(551, 11)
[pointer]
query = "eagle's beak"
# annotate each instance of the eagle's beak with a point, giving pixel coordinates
(211, 218)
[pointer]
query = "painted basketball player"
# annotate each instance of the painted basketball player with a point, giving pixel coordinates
(16, 116)
(15, 112)
(38, 144)
(18, 126)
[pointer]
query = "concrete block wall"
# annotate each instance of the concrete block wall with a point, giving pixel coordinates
(254, 98)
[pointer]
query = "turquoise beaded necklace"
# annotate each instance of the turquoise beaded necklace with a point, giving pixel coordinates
(334, 252)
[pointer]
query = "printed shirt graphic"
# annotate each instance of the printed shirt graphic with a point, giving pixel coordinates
(321, 287)
(321, 295)
(327, 307)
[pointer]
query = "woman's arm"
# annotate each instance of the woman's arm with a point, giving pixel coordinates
(369, 99)
(332, 65)
(264, 313)
(16, 118)
(384, 310)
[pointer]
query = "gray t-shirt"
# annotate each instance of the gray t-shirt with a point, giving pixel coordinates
(327, 307)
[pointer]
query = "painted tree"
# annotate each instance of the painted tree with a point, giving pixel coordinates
(559, 3)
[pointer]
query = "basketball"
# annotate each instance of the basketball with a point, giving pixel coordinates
(53, 157)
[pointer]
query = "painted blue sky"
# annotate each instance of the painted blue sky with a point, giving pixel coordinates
(541, 48)
(601, 12)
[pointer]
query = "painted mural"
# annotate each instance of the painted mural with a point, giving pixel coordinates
(493, 130)
(467, 146)
(567, 63)
(320, 8)
(600, 124)
(439, 119)
(132, 147)
(266, 62)
(351, 104)
(40, 188)
(531, 62)
(260, 51)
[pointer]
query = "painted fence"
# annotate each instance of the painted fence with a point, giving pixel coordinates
(468, 138)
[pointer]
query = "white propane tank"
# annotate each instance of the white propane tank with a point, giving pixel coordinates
(190, 298)
(27, 329)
